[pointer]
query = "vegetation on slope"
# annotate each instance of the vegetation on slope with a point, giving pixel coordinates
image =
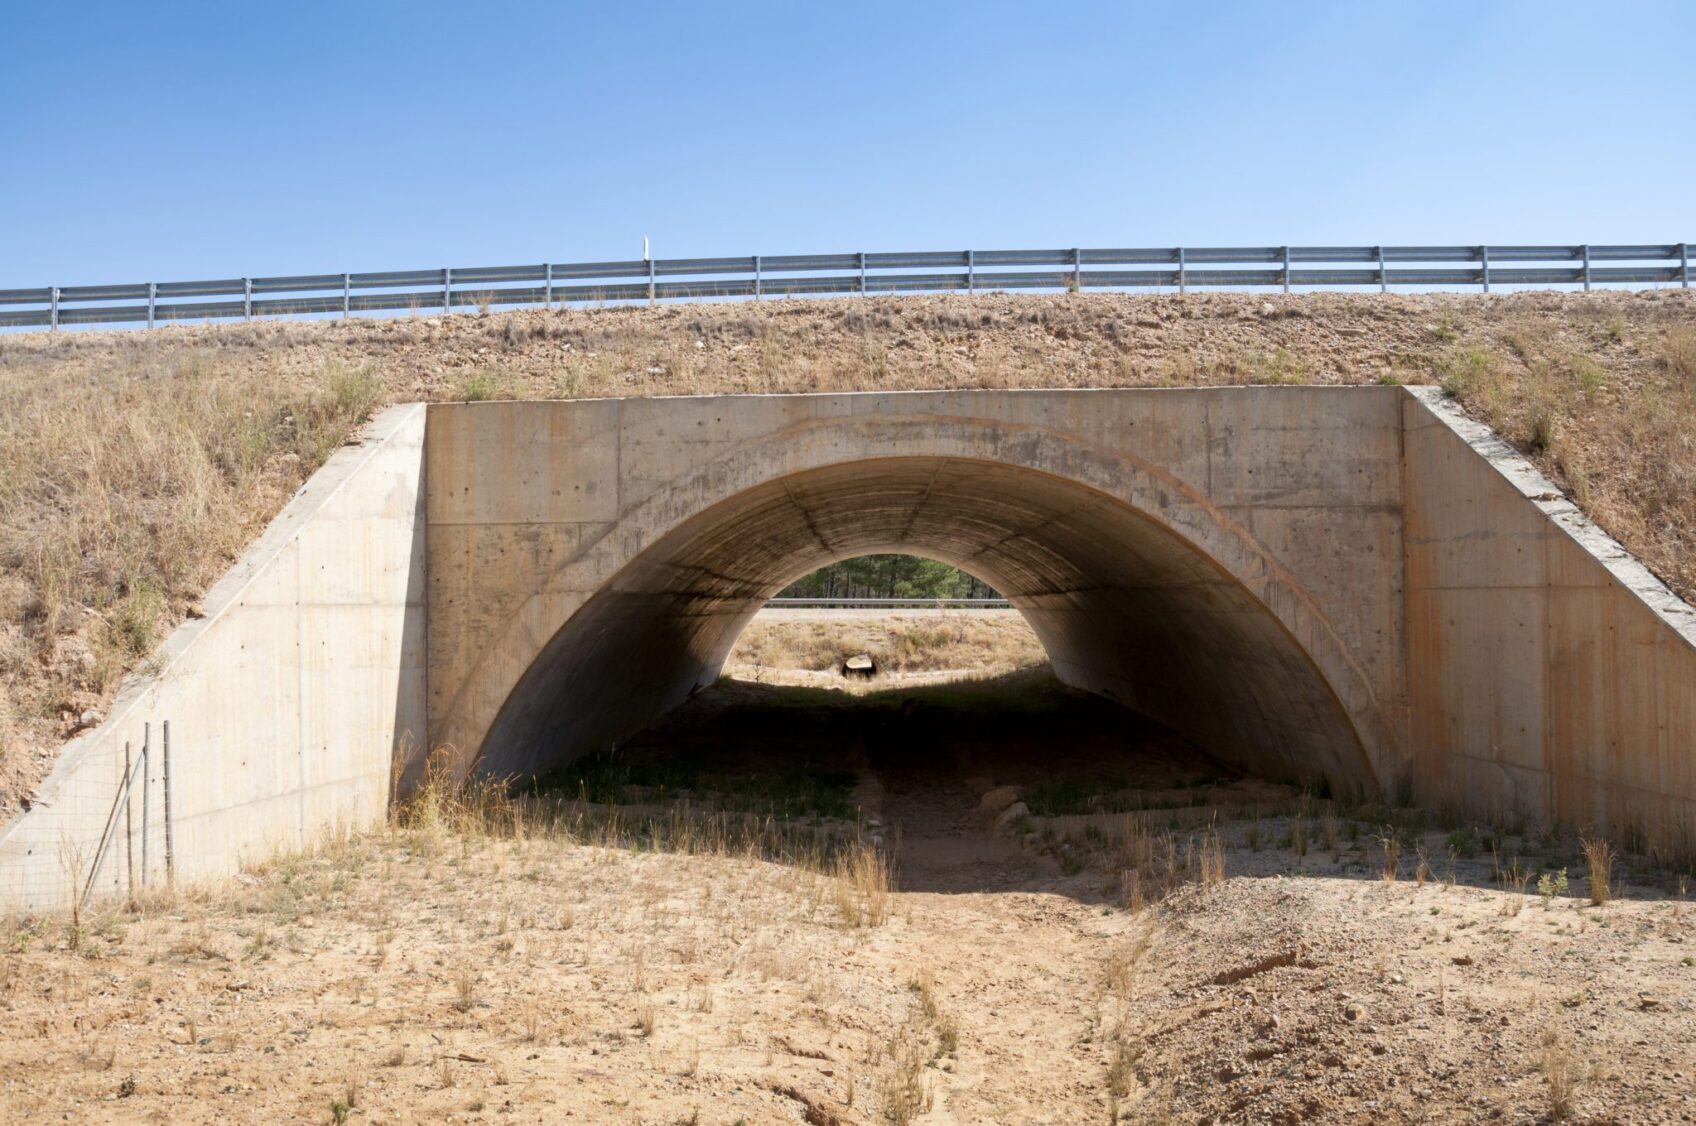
(135, 465)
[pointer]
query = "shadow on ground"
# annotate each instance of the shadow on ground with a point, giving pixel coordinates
(1016, 783)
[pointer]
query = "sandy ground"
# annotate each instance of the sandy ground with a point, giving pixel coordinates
(421, 975)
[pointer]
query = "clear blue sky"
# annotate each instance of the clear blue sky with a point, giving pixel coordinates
(158, 141)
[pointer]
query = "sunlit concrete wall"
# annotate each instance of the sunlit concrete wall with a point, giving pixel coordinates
(287, 700)
(1552, 677)
(1228, 561)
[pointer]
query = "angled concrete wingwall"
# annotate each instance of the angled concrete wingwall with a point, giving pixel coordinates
(1551, 676)
(286, 700)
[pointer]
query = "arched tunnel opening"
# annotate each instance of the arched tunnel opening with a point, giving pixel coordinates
(1154, 647)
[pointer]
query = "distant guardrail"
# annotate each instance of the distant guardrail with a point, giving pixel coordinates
(792, 275)
(889, 604)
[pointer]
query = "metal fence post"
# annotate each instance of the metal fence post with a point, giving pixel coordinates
(146, 786)
(548, 272)
(447, 290)
(1383, 272)
(650, 281)
(129, 823)
(170, 853)
(862, 257)
(1078, 269)
(759, 283)
(1286, 269)
(1684, 263)
(1586, 249)
(247, 299)
(347, 295)
(971, 272)
(1484, 257)
(1183, 272)
(152, 300)
(53, 316)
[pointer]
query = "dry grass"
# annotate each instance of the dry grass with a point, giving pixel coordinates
(622, 972)
(124, 492)
(1600, 857)
(1560, 1073)
(134, 466)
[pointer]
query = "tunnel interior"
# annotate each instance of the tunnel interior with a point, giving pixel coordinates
(1124, 607)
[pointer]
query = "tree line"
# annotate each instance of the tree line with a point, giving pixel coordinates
(888, 576)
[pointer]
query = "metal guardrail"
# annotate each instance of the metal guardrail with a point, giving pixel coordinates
(889, 603)
(792, 275)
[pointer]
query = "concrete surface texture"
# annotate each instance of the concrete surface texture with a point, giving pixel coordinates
(1350, 587)
(286, 700)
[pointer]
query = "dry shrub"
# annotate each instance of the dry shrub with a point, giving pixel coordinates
(863, 881)
(1560, 1073)
(904, 1091)
(1599, 856)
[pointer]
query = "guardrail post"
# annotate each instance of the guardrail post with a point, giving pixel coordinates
(1383, 272)
(971, 273)
(1078, 269)
(347, 295)
(759, 284)
(447, 290)
(650, 281)
(1484, 257)
(1183, 272)
(247, 298)
(862, 257)
(548, 273)
(1586, 249)
(1286, 269)
(53, 316)
(1684, 263)
(152, 300)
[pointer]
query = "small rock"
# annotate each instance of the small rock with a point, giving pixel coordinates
(88, 718)
(998, 799)
(1011, 814)
(1354, 1010)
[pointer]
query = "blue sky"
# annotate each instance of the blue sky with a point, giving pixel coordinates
(182, 140)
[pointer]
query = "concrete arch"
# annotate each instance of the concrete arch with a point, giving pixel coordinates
(1140, 583)
(1123, 605)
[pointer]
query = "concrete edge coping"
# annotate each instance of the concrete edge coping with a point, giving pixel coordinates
(316, 492)
(1519, 472)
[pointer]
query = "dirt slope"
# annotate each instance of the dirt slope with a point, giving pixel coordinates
(134, 466)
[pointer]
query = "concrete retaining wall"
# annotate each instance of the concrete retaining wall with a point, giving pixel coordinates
(286, 700)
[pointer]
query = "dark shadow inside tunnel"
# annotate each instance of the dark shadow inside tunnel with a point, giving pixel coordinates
(1126, 608)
